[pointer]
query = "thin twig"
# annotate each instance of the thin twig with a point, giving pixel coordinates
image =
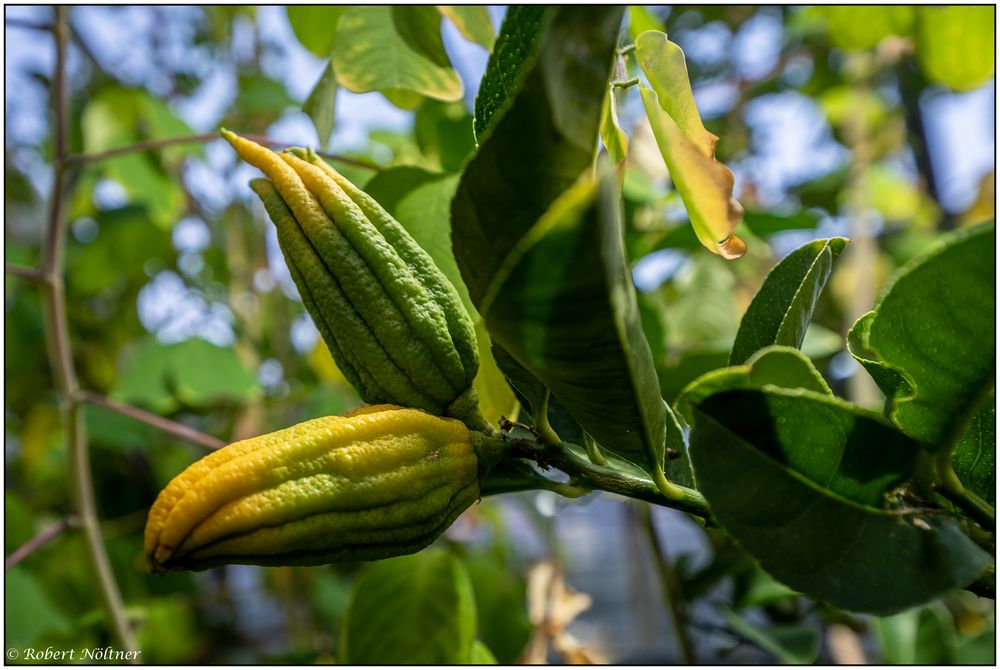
(166, 425)
(668, 582)
(150, 145)
(29, 25)
(61, 356)
(31, 274)
(38, 541)
(625, 83)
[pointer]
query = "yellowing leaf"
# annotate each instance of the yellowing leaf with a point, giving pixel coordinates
(663, 63)
(704, 184)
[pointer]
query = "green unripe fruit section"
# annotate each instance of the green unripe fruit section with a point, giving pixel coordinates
(392, 321)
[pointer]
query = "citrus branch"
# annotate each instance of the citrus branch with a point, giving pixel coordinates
(166, 425)
(151, 145)
(61, 355)
(31, 274)
(38, 541)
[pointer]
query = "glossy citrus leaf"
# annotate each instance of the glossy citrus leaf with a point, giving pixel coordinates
(792, 476)
(563, 305)
(513, 55)
(974, 458)
(416, 609)
(315, 26)
(782, 309)
(935, 325)
(776, 365)
(321, 103)
(543, 140)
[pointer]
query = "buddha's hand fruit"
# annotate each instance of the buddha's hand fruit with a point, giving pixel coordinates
(393, 322)
(381, 482)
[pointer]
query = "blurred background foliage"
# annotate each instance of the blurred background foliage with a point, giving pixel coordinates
(876, 123)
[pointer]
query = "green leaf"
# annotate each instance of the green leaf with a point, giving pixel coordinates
(416, 609)
(203, 374)
(115, 117)
(792, 476)
(782, 309)
(382, 48)
(105, 427)
(96, 267)
(168, 633)
(974, 458)
(513, 56)
(481, 655)
(821, 438)
(193, 372)
(956, 46)
(444, 134)
(539, 146)
(501, 607)
(935, 325)
(144, 376)
(924, 636)
(763, 223)
(791, 643)
(36, 614)
(704, 184)
(321, 103)
(531, 392)
(262, 100)
(615, 139)
(19, 525)
(564, 307)
(978, 650)
(641, 19)
(759, 588)
(890, 381)
(473, 21)
(776, 365)
(315, 26)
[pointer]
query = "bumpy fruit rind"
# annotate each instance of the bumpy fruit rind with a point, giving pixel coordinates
(391, 319)
(382, 482)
